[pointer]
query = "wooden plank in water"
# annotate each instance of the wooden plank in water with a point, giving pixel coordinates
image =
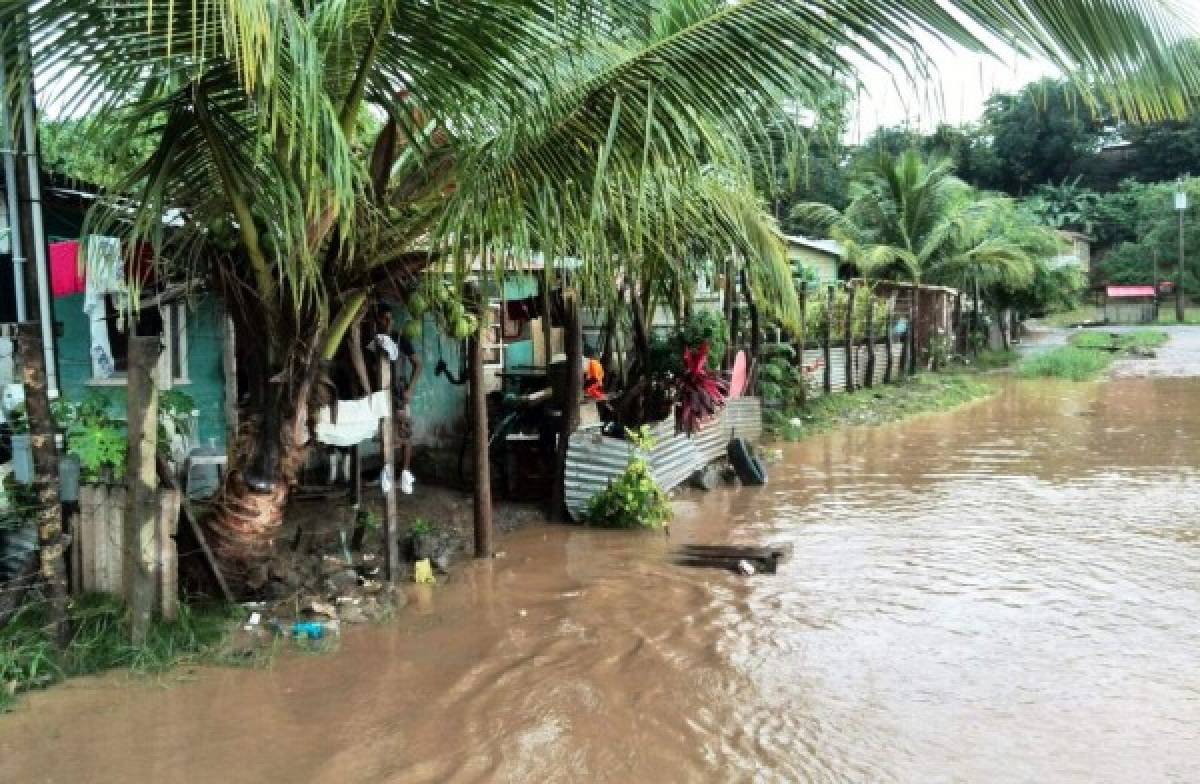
(782, 550)
(764, 559)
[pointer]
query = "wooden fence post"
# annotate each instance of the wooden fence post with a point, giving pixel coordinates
(869, 376)
(45, 477)
(826, 338)
(141, 557)
(914, 317)
(849, 337)
(479, 427)
(887, 343)
(391, 533)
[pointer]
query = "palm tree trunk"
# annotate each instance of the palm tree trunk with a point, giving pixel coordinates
(273, 444)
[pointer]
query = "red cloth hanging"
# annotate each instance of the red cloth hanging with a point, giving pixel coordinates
(66, 273)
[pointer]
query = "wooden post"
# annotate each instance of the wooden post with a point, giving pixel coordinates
(140, 576)
(755, 335)
(849, 337)
(826, 339)
(391, 532)
(169, 500)
(45, 477)
(547, 324)
(803, 338)
(229, 371)
(869, 376)
(914, 313)
(960, 343)
(730, 311)
(570, 412)
(479, 428)
(887, 342)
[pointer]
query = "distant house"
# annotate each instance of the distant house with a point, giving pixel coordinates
(1130, 305)
(813, 260)
(1074, 248)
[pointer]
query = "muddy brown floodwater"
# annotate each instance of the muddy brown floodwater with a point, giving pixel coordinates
(1009, 593)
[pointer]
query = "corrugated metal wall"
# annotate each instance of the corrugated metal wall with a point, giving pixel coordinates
(594, 460)
(837, 362)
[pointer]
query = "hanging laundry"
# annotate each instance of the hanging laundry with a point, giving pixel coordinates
(105, 275)
(66, 275)
(357, 420)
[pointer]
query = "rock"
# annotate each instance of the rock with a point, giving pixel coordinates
(343, 581)
(352, 613)
(706, 478)
(316, 607)
(332, 564)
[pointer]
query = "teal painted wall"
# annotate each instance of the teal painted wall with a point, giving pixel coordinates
(438, 406)
(204, 362)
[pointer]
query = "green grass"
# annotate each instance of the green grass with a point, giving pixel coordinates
(1068, 362)
(924, 393)
(100, 641)
(993, 360)
(1119, 341)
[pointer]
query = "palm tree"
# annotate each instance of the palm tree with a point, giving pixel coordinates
(508, 127)
(914, 220)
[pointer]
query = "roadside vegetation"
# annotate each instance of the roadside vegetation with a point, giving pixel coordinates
(1089, 355)
(1066, 362)
(921, 394)
(991, 360)
(100, 640)
(1119, 341)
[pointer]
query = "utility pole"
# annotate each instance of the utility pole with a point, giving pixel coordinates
(1181, 204)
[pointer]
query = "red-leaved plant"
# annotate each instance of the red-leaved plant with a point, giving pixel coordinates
(699, 393)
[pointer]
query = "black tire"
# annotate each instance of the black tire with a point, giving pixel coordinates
(748, 467)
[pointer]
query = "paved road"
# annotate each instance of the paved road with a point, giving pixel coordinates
(1180, 357)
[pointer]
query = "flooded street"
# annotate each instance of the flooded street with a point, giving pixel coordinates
(1007, 593)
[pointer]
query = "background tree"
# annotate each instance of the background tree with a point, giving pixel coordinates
(1038, 135)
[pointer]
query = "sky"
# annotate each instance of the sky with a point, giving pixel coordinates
(956, 92)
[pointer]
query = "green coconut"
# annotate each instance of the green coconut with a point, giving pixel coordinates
(417, 304)
(464, 327)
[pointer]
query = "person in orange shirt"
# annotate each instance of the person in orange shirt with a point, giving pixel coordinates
(593, 376)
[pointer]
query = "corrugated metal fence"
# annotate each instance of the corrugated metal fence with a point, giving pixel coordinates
(594, 460)
(837, 362)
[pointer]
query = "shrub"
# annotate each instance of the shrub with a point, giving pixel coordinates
(633, 499)
(1069, 362)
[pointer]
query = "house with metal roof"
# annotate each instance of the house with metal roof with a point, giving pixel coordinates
(1130, 305)
(815, 261)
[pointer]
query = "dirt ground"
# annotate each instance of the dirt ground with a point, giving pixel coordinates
(328, 567)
